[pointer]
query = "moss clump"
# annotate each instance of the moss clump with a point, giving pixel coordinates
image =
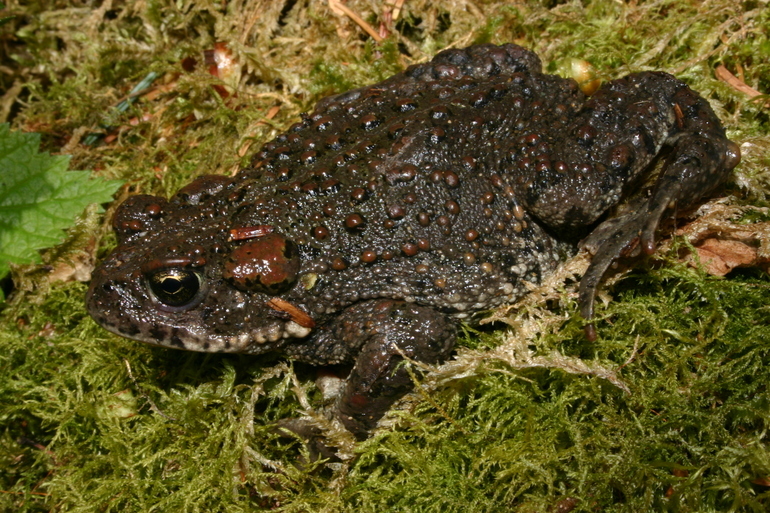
(691, 435)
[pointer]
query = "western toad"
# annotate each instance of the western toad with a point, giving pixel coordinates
(368, 229)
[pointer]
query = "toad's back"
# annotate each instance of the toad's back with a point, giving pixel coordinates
(407, 190)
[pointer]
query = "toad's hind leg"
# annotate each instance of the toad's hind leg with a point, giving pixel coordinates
(606, 151)
(701, 158)
(388, 332)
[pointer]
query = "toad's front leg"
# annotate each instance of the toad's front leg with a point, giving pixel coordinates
(384, 332)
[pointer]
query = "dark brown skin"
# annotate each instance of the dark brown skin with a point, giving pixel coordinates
(373, 225)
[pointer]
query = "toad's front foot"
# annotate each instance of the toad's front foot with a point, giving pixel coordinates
(390, 333)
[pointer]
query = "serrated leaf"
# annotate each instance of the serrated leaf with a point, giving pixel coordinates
(39, 197)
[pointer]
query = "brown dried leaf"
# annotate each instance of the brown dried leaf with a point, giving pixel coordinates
(719, 257)
(722, 244)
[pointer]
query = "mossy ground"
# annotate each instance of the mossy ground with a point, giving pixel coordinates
(92, 422)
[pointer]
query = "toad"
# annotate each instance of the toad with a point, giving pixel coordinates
(374, 225)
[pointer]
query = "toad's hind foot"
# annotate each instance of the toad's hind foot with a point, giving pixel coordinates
(695, 166)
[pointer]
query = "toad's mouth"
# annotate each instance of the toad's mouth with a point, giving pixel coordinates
(121, 309)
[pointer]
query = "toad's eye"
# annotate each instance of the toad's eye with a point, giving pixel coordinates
(176, 288)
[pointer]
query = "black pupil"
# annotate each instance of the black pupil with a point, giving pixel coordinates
(175, 287)
(171, 285)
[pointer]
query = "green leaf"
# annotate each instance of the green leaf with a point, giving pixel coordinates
(39, 198)
(4, 19)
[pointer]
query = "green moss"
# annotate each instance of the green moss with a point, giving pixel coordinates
(690, 437)
(92, 422)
